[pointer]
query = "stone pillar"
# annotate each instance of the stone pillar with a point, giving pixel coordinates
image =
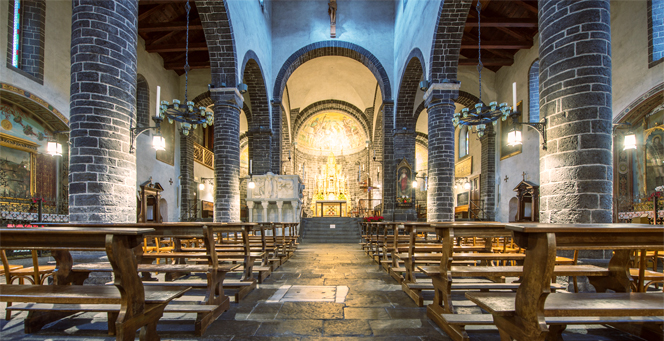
(102, 172)
(404, 148)
(260, 149)
(296, 214)
(488, 177)
(439, 100)
(265, 204)
(389, 162)
(227, 104)
(276, 138)
(250, 207)
(280, 206)
(576, 170)
(187, 185)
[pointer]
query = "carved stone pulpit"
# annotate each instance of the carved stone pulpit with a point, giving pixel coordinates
(527, 194)
(265, 202)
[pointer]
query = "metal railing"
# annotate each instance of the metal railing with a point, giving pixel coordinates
(203, 156)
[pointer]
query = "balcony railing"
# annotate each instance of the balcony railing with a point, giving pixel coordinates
(203, 156)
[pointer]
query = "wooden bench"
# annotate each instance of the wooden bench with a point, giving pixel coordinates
(524, 315)
(139, 307)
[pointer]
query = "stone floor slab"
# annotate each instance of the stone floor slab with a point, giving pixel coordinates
(366, 314)
(291, 328)
(347, 328)
(311, 310)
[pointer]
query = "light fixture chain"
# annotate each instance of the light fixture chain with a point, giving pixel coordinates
(479, 45)
(186, 56)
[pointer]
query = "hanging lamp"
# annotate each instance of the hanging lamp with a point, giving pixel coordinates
(482, 114)
(186, 114)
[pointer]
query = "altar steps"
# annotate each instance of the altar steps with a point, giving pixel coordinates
(318, 230)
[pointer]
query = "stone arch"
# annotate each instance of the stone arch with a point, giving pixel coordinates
(252, 75)
(642, 104)
(467, 99)
(262, 134)
(332, 48)
(447, 40)
(331, 105)
(410, 79)
(218, 29)
(533, 92)
(51, 117)
(142, 101)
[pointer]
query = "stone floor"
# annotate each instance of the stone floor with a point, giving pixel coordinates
(355, 300)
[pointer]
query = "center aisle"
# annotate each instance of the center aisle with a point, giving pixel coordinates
(305, 308)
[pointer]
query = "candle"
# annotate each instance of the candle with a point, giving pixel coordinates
(250, 164)
(514, 95)
(158, 100)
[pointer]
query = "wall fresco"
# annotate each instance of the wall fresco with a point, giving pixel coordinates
(331, 132)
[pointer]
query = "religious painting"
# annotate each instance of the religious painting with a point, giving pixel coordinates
(168, 132)
(507, 151)
(404, 180)
(17, 166)
(16, 122)
(654, 141)
(331, 132)
(462, 198)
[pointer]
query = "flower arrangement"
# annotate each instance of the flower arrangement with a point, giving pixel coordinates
(404, 200)
(373, 219)
(657, 194)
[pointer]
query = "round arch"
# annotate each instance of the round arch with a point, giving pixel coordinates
(332, 48)
(331, 105)
(50, 116)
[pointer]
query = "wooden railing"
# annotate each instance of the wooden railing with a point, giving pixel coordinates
(203, 156)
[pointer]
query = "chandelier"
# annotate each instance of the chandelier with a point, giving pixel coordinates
(188, 116)
(482, 115)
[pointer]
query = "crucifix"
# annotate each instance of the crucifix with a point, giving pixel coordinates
(332, 11)
(524, 176)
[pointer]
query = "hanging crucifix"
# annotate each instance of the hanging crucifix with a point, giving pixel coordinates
(332, 11)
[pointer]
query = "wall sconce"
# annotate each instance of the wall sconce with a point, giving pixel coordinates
(414, 183)
(424, 85)
(158, 141)
(514, 136)
(461, 183)
(242, 88)
(209, 181)
(53, 147)
(251, 183)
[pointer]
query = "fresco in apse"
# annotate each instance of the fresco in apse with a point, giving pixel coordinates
(244, 157)
(331, 132)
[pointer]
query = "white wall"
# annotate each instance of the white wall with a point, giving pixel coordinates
(369, 24)
(415, 26)
(252, 31)
(629, 46)
(528, 160)
(151, 66)
(57, 44)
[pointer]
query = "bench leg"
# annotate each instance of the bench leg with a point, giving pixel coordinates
(457, 333)
(112, 317)
(38, 319)
(556, 332)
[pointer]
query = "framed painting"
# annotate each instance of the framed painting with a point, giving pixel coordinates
(404, 179)
(168, 132)
(17, 167)
(505, 126)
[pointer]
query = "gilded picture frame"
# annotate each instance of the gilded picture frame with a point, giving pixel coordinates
(16, 152)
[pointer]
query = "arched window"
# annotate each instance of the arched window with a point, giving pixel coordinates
(533, 92)
(463, 141)
(142, 101)
(655, 32)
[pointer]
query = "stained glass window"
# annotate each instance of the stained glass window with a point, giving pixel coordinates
(17, 33)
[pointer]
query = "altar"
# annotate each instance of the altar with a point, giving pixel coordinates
(331, 195)
(331, 208)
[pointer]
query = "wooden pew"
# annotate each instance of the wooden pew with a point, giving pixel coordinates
(524, 315)
(138, 307)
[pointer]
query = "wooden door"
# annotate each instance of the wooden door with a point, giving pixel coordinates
(474, 203)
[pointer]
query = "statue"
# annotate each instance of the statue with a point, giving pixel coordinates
(332, 11)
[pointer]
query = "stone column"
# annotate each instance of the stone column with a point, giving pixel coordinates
(488, 177)
(576, 170)
(404, 148)
(227, 104)
(250, 207)
(265, 204)
(260, 149)
(296, 213)
(439, 100)
(102, 172)
(187, 185)
(276, 138)
(280, 206)
(389, 162)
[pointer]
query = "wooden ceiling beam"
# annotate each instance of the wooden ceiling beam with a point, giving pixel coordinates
(147, 13)
(497, 45)
(152, 2)
(192, 65)
(488, 61)
(503, 22)
(161, 39)
(169, 26)
(531, 8)
(176, 47)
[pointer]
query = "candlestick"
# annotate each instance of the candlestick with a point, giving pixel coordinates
(514, 95)
(158, 101)
(250, 168)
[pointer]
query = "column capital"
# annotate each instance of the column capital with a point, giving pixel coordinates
(229, 96)
(442, 93)
(265, 203)
(250, 204)
(280, 204)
